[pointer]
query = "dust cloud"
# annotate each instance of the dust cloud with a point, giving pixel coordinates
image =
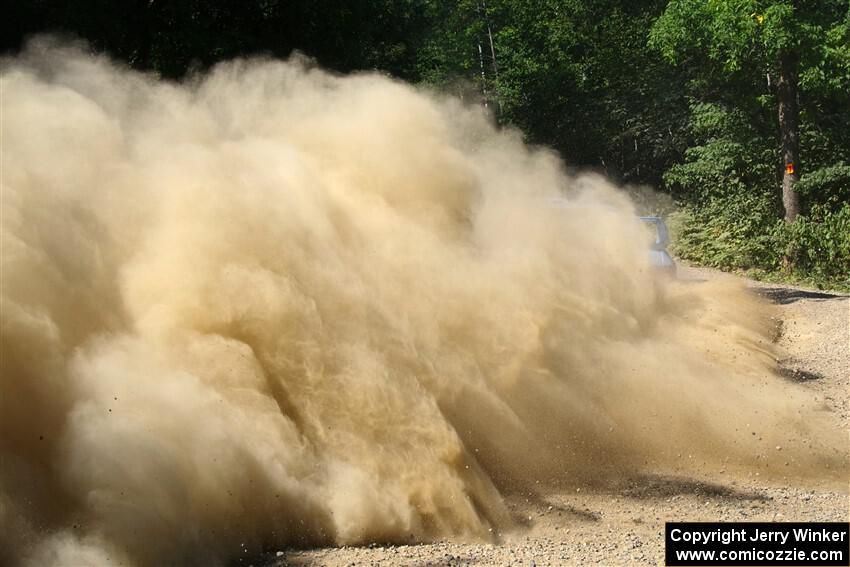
(272, 306)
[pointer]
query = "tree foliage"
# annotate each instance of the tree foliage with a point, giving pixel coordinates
(176, 36)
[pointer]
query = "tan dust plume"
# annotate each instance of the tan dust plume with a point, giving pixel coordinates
(272, 306)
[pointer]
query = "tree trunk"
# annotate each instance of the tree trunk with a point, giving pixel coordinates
(483, 76)
(790, 133)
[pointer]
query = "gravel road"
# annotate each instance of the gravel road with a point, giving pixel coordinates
(624, 523)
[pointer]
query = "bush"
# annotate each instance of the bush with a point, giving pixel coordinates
(735, 234)
(733, 237)
(819, 244)
(827, 185)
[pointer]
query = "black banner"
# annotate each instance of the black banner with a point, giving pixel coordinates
(757, 543)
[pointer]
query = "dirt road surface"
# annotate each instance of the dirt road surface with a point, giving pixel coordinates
(624, 523)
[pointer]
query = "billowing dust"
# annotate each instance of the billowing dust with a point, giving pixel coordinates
(272, 306)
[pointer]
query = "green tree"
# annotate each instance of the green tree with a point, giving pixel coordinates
(575, 75)
(172, 37)
(791, 42)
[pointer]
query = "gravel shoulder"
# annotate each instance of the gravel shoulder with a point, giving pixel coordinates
(624, 524)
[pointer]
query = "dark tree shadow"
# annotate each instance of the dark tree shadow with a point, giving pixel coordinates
(798, 375)
(659, 486)
(585, 515)
(784, 296)
(448, 560)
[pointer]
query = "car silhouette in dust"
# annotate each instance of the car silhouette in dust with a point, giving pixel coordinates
(659, 257)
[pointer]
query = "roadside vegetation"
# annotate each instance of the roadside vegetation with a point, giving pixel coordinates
(738, 109)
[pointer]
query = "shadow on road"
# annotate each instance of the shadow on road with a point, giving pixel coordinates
(798, 375)
(784, 296)
(660, 486)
